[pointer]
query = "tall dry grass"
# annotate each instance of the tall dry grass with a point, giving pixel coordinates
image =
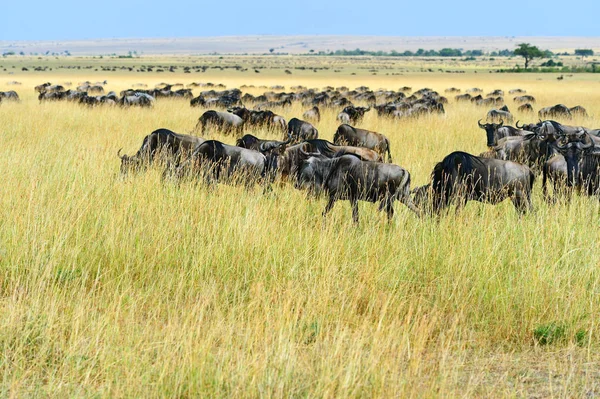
(132, 287)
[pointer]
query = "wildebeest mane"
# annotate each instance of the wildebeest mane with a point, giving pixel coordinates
(322, 146)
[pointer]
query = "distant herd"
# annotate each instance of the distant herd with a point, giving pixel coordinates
(357, 166)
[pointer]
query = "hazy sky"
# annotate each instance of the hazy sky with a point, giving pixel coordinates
(69, 19)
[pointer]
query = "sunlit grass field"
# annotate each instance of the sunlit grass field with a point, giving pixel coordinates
(136, 287)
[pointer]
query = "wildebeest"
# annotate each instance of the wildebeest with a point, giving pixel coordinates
(223, 121)
(350, 178)
(52, 96)
(260, 119)
(349, 135)
(312, 115)
(497, 131)
(264, 146)
(559, 110)
(502, 114)
(137, 100)
(173, 146)
(582, 160)
(524, 99)
(525, 108)
(220, 161)
(462, 177)
(352, 114)
(299, 130)
(9, 96)
(578, 110)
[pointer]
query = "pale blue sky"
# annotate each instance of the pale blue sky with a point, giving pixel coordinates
(81, 19)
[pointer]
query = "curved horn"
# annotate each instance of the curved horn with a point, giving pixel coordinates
(261, 147)
(501, 123)
(480, 125)
(119, 154)
(587, 143)
(517, 125)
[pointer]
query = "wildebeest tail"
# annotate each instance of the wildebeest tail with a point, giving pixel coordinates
(389, 152)
(531, 179)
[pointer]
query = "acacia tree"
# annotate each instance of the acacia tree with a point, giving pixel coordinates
(528, 52)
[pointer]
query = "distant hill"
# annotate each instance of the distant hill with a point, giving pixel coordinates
(289, 44)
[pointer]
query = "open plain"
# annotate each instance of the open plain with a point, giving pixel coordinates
(133, 286)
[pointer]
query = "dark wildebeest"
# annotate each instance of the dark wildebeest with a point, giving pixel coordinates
(352, 114)
(579, 110)
(350, 178)
(461, 177)
(137, 100)
(525, 108)
(222, 161)
(173, 146)
(556, 110)
(53, 96)
(524, 99)
(502, 114)
(264, 146)
(299, 130)
(463, 97)
(223, 121)
(583, 162)
(330, 150)
(497, 131)
(9, 96)
(312, 115)
(348, 135)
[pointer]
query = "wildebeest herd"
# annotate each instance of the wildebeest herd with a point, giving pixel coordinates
(357, 166)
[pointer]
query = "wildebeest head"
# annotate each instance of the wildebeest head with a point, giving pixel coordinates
(311, 173)
(128, 163)
(490, 131)
(572, 147)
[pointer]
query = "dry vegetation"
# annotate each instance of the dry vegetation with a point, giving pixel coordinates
(133, 287)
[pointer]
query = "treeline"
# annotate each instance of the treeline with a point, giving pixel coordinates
(445, 52)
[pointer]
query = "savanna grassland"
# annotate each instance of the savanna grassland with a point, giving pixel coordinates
(136, 287)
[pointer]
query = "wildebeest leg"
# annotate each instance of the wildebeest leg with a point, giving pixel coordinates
(522, 203)
(354, 204)
(329, 205)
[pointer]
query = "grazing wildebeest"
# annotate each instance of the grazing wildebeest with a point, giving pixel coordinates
(525, 108)
(524, 99)
(583, 162)
(299, 130)
(348, 135)
(497, 131)
(578, 110)
(463, 97)
(330, 150)
(556, 110)
(312, 115)
(264, 146)
(173, 146)
(223, 121)
(52, 96)
(137, 100)
(9, 96)
(502, 114)
(222, 161)
(350, 178)
(461, 177)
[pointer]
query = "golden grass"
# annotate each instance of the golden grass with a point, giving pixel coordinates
(135, 288)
